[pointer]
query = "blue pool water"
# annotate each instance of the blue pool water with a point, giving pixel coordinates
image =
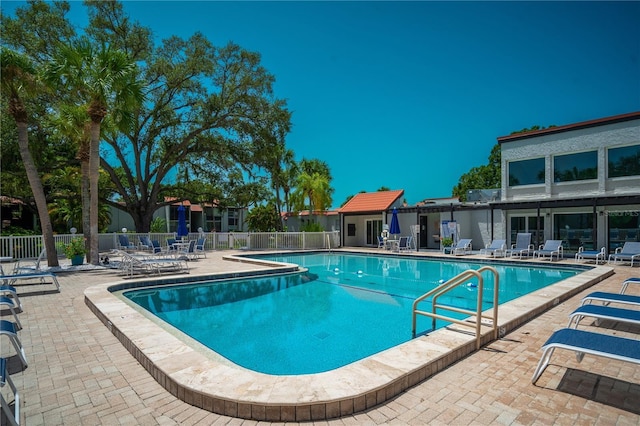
(345, 308)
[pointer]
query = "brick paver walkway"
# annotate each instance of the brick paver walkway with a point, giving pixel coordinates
(80, 374)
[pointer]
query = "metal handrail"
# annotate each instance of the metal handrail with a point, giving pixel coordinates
(450, 285)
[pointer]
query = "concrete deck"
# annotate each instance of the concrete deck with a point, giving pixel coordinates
(80, 373)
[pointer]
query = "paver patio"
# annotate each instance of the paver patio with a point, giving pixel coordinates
(79, 373)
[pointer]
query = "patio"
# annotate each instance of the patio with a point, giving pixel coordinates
(79, 373)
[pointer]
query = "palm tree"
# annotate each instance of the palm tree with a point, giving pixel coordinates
(102, 80)
(18, 79)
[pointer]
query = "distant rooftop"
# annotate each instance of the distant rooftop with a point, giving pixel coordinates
(371, 201)
(582, 125)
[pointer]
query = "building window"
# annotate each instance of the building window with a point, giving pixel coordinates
(571, 167)
(575, 230)
(624, 161)
(233, 220)
(213, 220)
(526, 172)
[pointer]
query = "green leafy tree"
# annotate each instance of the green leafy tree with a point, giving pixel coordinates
(18, 80)
(481, 177)
(103, 80)
(263, 218)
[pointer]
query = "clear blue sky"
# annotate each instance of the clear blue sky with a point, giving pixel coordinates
(411, 95)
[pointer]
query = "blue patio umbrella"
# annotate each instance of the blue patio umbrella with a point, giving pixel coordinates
(182, 230)
(394, 229)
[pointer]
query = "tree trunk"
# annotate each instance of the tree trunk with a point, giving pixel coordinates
(83, 156)
(38, 194)
(94, 173)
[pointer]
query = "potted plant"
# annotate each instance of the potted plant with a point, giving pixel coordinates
(75, 251)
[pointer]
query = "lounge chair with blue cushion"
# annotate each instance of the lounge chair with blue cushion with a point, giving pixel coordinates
(629, 252)
(13, 416)
(145, 243)
(600, 312)
(596, 255)
(10, 304)
(495, 249)
(381, 243)
(463, 247)
(550, 248)
(42, 276)
(124, 243)
(199, 250)
(607, 298)
(522, 247)
(9, 329)
(10, 291)
(625, 283)
(586, 342)
(403, 244)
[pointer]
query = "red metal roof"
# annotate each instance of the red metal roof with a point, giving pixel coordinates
(371, 201)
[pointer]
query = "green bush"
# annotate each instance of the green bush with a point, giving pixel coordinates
(75, 248)
(312, 227)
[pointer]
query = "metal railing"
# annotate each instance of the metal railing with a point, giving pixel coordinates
(454, 282)
(30, 246)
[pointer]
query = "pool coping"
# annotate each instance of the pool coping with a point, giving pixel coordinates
(221, 387)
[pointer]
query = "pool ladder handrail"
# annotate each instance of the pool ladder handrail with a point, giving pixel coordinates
(454, 282)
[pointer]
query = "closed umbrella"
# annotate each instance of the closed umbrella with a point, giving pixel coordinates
(394, 229)
(182, 230)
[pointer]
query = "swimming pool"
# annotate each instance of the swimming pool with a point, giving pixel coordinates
(346, 307)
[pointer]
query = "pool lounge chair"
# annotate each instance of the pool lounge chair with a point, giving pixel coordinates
(124, 243)
(145, 243)
(10, 304)
(463, 247)
(131, 265)
(607, 298)
(30, 265)
(583, 255)
(600, 312)
(42, 276)
(13, 416)
(495, 249)
(629, 252)
(625, 283)
(9, 329)
(10, 291)
(586, 342)
(550, 248)
(522, 247)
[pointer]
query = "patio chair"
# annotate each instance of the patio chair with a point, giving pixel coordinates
(10, 291)
(156, 247)
(403, 244)
(463, 247)
(630, 251)
(586, 342)
(522, 247)
(13, 416)
(171, 248)
(124, 243)
(145, 243)
(495, 249)
(550, 248)
(199, 248)
(625, 283)
(600, 312)
(11, 280)
(10, 304)
(30, 265)
(596, 255)
(9, 329)
(381, 243)
(607, 298)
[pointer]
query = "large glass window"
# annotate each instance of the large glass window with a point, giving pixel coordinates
(624, 161)
(581, 166)
(233, 219)
(575, 230)
(623, 226)
(526, 172)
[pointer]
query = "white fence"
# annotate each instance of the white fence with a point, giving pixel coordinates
(30, 246)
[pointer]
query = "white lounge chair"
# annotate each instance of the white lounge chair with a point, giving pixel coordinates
(596, 255)
(42, 276)
(149, 264)
(586, 342)
(10, 291)
(522, 247)
(550, 248)
(495, 249)
(463, 247)
(629, 252)
(30, 265)
(124, 243)
(13, 416)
